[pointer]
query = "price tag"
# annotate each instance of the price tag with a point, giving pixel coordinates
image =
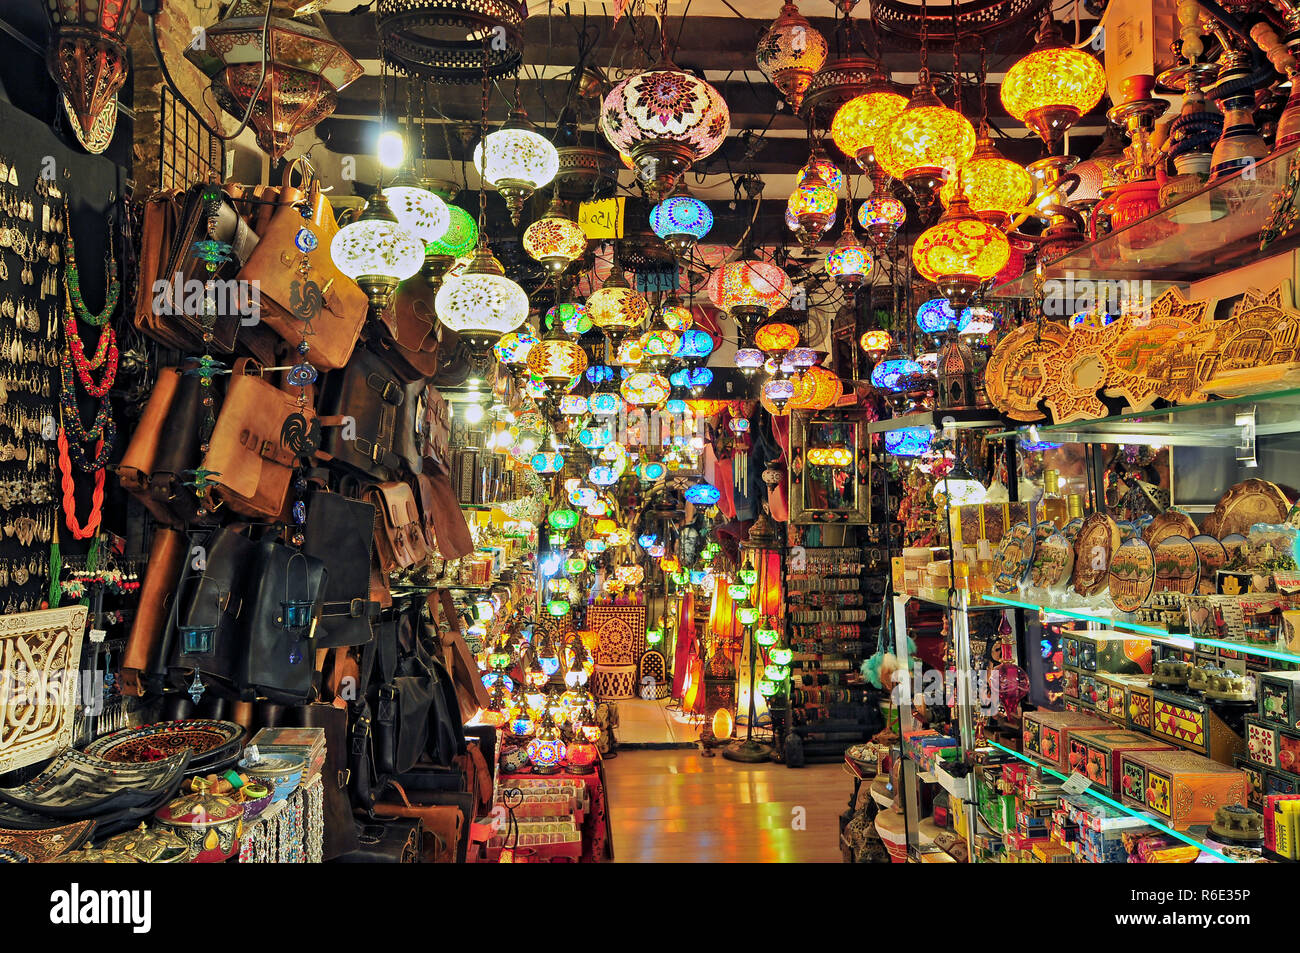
(602, 218)
(1076, 784)
(98, 635)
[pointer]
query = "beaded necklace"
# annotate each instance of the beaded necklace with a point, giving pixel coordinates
(70, 492)
(105, 351)
(72, 283)
(103, 429)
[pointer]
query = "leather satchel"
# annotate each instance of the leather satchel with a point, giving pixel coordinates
(407, 333)
(395, 841)
(302, 291)
(341, 532)
(177, 452)
(443, 825)
(360, 409)
(141, 657)
(260, 434)
(137, 463)
(399, 535)
(441, 517)
(340, 833)
(283, 601)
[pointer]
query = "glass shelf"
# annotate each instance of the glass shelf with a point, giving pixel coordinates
(1213, 423)
(939, 419)
(1209, 232)
(1187, 837)
(1116, 620)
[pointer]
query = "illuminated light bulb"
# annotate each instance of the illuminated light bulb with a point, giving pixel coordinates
(519, 161)
(1053, 85)
(391, 149)
(996, 188)
(924, 142)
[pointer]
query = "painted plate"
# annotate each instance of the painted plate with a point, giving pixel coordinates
(162, 740)
(81, 785)
(1013, 558)
(1131, 576)
(1235, 545)
(1177, 568)
(1248, 503)
(34, 847)
(1095, 544)
(1168, 523)
(1053, 560)
(1212, 557)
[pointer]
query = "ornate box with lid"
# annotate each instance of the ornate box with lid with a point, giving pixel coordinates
(1179, 787)
(1046, 734)
(1096, 754)
(1190, 722)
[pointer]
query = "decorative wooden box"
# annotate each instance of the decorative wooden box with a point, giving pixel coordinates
(1179, 787)
(1113, 693)
(1140, 706)
(1254, 782)
(1279, 698)
(1261, 742)
(1046, 734)
(1096, 754)
(1280, 782)
(1188, 722)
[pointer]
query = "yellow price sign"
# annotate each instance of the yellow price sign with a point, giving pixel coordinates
(602, 218)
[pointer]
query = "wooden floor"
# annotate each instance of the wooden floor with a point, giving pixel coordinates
(675, 806)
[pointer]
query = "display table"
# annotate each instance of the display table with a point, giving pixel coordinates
(589, 816)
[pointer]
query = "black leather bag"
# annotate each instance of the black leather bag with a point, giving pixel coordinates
(389, 841)
(340, 834)
(207, 634)
(361, 413)
(340, 533)
(283, 604)
(178, 451)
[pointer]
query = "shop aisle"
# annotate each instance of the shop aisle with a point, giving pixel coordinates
(644, 722)
(676, 806)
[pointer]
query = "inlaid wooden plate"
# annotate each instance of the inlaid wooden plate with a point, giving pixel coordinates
(1257, 348)
(1015, 376)
(1013, 558)
(1076, 373)
(1131, 576)
(1177, 568)
(1250, 502)
(1139, 340)
(1169, 523)
(1097, 541)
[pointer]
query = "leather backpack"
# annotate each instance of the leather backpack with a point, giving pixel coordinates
(341, 533)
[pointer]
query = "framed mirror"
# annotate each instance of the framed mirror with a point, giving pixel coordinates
(829, 467)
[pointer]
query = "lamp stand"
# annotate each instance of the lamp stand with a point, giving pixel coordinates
(749, 751)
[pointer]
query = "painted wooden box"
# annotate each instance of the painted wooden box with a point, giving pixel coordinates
(1179, 787)
(1140, 706)
(1046, 734)
(1188, 722)
(1280, 782)
(1279, 698)
(1261, 742)
(1254, 782)
(1113, 692)
(1097, 753)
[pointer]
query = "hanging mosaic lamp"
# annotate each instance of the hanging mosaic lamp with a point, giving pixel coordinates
(925, 142)
(908, 441)
(419, 211)
(779, 391)
(681, 220)
(557, 359)
(881, 215)
(812, 206)
(790, 53)
(574, 319)
(676, 317)
(860, 122)
(377, 253)
(702, 494)
(645, 390)
(749, 360)
(458, 240)
(512, 349)
(935, 316)
(520, 160)
(481, 303)
(960, 252)
(555, 239)
(875, 343)
(659, 346)
(1053, 85)
(305, 69)
(894, 370)
(849, 263)
(749, 290)
(775, 339)
(86, 56)
(996, 189)
(616, 308)
(826, 170)
(665, 119)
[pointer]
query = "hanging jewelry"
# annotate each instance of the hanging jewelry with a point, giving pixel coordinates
(72, 283)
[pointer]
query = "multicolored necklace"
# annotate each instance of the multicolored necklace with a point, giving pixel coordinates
(102, 430)
(70, 492)
(72, 284)
(105, 351)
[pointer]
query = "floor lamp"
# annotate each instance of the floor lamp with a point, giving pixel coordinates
(762, 539)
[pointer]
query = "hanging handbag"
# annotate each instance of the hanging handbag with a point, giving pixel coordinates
(260, 434)
(406, 335)
(141, 662)
(137, 464)
(340, 832)
(302, 292)
(340, 532)
(398, 533)
(360, 411)
(177, 453)
(441, 517)
(283, 601)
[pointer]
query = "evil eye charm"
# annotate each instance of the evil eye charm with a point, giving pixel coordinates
(306, 240)
(300, 375)
(299, 511)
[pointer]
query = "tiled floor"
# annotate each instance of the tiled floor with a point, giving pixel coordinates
(679, 807)
(652, 722)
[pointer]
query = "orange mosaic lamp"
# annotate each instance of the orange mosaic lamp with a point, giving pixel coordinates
(925, 141)
(995, 187)
(556, 240)
(960, 252)
(1053, 85)
(617, 308)
(557, 360)
(776, 338)
(859, 123)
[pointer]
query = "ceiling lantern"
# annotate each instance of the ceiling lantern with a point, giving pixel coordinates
(376, 252)
(520, 160)
(557, 360)
(749, 290)
(812, 206)
(862, 120)
(87, 59)
(573, 318)
(617, 308)
(960, 252)
(675, 317)
(848, 262)
(481, 303)
(645, 390)
(924, 141)
(458, 240)
(419, 211)
(875, 343)
(817, 389)
(1053, 85)
(790, 53)
(305, 69)
(659, 346)
(775, 339)
(665, 119)
(830, 173)
(681, 220)
(555, 240)
(512, 349)
(996, 188)
(881, 214)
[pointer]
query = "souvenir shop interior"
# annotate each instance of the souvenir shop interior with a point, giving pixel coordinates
(478, 431)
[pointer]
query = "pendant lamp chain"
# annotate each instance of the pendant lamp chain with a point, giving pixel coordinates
(483, 134)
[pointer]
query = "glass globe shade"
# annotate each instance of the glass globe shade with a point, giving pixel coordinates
(860, 122)
(829, 456)
(978, 319)
(517, 162)
(926, 139)
(512, 349)
(556, 360)
(574, 319)
(675, 317)
(759, 286)
(749, 358)
(481, 303)
(616, 308)
(681, 220)
(875, 342)
(645, 390)
(790, 53)
(935, 316)
(659, 343)
(908, 441)
(888, 374)
(629, 353)
(702, 494)
(995, 187)
(555, 240)
(694, 344)
(817, 389)
(958, 490)
(460, 237)
(1053, 85)
(960, 246)
(826, 170)
(779, 391)
(848, 262)
(776, 338)
(882, 210)
(419, 211)
(376, 249)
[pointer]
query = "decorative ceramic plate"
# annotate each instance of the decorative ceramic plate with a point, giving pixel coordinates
(1210, 526)
(1014, 378)
(1177, 568)
(34, 847)
(1096, 542)
(1250, 502)
(1131, 576)
(1013, 558)
(1053, 559)
(1071, 529)
(80, 785)
(201, 737)
(1212, 557)
(1168, 523)
(1235, 544)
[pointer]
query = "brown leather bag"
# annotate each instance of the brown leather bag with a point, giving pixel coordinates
(260, 433)
(441, 515)
(167, 554)
(443, 825)
(407, 333)
(137, 463)
(302, 291)
(399, 537)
